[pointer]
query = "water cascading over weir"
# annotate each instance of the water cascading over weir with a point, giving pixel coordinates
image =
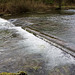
(23, 51)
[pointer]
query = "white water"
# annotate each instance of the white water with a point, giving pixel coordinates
(33, 45)
(5, 23)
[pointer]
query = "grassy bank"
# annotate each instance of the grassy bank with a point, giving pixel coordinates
(23, 6)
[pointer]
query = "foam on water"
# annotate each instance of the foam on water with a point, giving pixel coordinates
(5, 23)
(51, 55)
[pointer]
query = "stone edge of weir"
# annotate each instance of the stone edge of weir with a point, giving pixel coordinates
(63, 45)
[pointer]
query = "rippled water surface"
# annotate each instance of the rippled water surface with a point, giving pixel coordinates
(60, 24)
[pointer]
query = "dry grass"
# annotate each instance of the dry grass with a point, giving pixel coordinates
(22, 6)
(12, 6)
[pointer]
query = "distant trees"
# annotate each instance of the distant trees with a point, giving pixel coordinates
(70, 1)
(59, 2)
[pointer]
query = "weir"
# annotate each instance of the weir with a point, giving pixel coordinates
(23, 51)
(67, 47)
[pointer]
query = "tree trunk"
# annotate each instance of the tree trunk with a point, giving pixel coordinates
(60, 4)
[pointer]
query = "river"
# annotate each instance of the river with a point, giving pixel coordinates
(60, 24)
(22, 51)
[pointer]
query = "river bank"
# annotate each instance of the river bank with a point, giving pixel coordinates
(44, 11)
(32, 6)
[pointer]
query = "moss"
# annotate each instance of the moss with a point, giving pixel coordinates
(20, 73)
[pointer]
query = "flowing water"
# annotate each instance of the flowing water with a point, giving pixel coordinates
(22, 51)
(60, 24)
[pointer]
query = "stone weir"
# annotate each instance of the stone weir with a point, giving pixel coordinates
(64, 45)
